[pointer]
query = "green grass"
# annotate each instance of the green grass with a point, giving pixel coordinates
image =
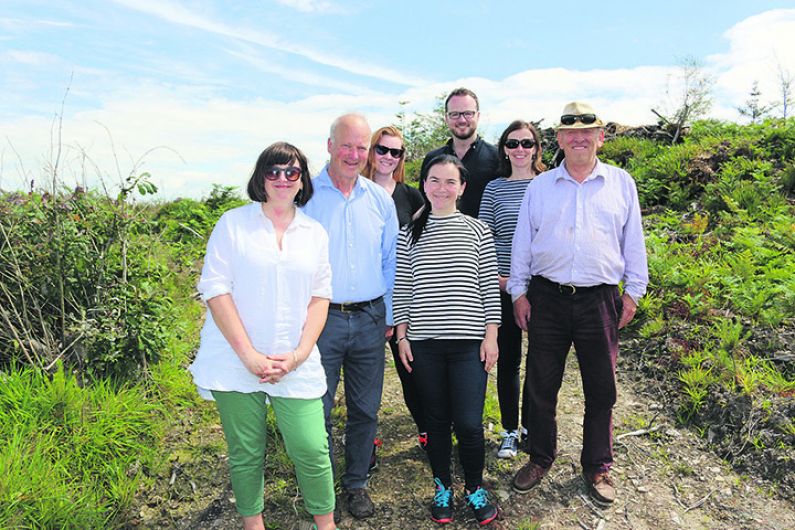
(71, 456)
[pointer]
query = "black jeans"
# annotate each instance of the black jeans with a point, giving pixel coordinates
(509, 362)
(411, 395)
(452, 384)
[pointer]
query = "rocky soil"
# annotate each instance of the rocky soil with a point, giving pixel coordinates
(666, 476)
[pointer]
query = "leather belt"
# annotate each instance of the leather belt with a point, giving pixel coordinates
(567, 289)
(350, 307)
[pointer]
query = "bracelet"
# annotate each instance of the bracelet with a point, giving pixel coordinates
(402, 338)
(295, 359)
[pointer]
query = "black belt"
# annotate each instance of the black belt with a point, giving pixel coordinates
(349, 307)
(566, 288)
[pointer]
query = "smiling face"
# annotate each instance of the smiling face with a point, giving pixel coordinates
(461, 127)
(581, 145)
(283, 191)
(521, 157)
(348, 148)
(443, 187)
(386, 164)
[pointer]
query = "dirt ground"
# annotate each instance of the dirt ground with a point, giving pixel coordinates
(666, 477)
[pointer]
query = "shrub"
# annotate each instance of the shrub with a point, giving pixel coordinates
(80, 282)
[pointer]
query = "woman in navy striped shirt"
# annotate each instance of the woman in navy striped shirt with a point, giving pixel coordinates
(520, 160)
(447, 311)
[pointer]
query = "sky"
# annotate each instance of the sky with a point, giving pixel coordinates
(192, 92)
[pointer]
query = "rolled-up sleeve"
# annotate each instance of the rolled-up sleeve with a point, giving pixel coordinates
(217, 275)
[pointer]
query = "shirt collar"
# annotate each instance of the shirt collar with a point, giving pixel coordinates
(301, 220)
(599, 170)
(474, 145)
(323, 180)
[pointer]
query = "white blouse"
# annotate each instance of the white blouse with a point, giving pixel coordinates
(271, 289)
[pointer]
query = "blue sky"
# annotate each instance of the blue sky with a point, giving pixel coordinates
(193, 91)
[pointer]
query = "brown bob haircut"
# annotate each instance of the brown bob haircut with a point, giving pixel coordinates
(504, 169)
(369, 167)
(280, 153)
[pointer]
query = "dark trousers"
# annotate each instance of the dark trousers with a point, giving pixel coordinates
(509, 341)
(354, 342)
(589, 320)
(452, 385)
(411, 394)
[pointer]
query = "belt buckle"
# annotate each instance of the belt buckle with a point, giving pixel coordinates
(567, 286)
(343, 309)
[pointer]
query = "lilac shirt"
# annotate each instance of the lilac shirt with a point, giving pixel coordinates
(580, 234)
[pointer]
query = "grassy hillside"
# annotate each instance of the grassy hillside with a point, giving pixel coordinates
(100, 321)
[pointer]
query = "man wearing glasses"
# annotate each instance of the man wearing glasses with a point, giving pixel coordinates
(462, 113)
(578, 235)
(362, 225)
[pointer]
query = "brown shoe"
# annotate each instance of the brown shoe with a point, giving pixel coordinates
(359, 503)
(600, 486)
(528, 477)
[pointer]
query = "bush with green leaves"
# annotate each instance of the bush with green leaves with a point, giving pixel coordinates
(185, 224)
(80, 281)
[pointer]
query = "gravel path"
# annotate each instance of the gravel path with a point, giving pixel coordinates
(665, 476)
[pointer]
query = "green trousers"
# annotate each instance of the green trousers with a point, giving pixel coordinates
(302, 425)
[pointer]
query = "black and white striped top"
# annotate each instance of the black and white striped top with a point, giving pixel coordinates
(499, 208)
(446, 284)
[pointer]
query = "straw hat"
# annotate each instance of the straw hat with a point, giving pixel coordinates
(578, 115)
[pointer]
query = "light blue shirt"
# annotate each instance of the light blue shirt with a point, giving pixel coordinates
(362, 231)
(581, 234)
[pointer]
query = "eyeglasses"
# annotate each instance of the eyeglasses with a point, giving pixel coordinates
(290, 173)
(526, 143)
(467, 114)
(382, 150)
(570, 119)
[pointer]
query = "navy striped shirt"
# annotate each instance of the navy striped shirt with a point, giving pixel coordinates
(499, 209)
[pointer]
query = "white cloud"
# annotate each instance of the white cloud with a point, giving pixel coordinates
(176, 13)
(312, 6)
(29, 58)
(218, 140)
(23, 24)
(292, 74)
(757, 45)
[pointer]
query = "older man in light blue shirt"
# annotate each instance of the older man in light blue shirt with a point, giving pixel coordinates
(362, 225)
(577, 237)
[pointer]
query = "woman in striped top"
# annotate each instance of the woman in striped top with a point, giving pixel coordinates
(447, 311)
(520, 160)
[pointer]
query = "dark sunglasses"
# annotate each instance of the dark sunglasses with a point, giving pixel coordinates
(527, 143)
(290, 173)
(571, 119)
(382, 150)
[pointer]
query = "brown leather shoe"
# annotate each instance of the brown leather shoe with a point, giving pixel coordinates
(600, 486)
(528, 477)
(359, 503)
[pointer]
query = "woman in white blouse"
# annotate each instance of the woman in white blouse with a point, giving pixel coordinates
(267, 282)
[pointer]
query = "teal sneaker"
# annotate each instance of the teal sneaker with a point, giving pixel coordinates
(485, 512)
(442, 506)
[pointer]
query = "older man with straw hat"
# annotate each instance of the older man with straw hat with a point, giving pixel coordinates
(578, 236)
